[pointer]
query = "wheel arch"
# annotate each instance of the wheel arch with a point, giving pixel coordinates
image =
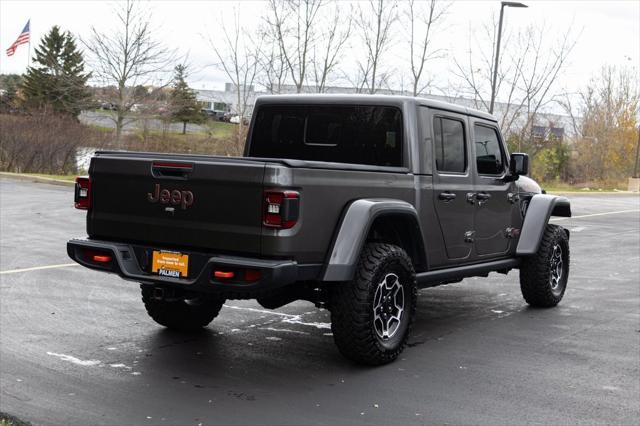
(541, 208)
(382, 220)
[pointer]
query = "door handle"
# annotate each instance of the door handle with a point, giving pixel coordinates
(447, 196)
(482, 198)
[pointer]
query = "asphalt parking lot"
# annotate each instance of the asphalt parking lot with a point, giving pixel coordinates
(77, 348)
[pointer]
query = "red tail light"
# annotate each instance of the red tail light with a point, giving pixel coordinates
(236, 275)
(101, 258)
(97, 256)
(224, 274)
(281, 209)
(82, 196)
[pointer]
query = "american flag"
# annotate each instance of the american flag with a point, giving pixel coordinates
(23, 38)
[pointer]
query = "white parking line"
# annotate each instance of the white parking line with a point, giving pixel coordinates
(555, 219)
(38, 268)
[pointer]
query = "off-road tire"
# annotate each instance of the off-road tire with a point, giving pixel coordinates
(536, 272)
(352, 306)
(182, 315)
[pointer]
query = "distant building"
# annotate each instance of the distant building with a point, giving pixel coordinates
(224, 101)
(545, 125)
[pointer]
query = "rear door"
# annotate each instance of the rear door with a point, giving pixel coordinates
(192, 202)
(453, 182)
(495, 198)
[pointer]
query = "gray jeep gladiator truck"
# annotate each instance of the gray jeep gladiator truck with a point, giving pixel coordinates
(350, 202)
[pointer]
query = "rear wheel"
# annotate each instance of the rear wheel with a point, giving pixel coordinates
(544, 276)
(371, 316)
(181, 313)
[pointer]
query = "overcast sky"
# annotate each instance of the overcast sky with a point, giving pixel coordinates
(610, 30)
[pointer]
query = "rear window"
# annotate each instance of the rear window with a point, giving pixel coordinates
(341, 134)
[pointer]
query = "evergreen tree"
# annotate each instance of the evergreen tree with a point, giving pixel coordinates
(184, 106)
(57, 81)
(9, 85)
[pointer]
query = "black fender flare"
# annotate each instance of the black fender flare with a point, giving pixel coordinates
(354, 229)
(541, 208)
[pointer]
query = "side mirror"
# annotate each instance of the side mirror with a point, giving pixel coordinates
(519, 164)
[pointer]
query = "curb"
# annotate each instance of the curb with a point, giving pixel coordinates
(571, 193)
(40, 179)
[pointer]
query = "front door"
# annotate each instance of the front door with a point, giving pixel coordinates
(495, 199)
(452, 184)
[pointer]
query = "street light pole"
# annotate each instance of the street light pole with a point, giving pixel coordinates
(495, 66)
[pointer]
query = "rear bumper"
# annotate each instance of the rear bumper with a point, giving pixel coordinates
(126, 263)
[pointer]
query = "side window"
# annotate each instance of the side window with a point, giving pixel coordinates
(489, 154)
(449, 145)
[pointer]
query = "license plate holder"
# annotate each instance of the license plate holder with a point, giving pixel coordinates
(170, 264)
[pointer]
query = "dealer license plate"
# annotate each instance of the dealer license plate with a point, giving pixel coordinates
(170, 264)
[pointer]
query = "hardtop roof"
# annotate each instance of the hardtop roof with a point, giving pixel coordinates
(396, 100)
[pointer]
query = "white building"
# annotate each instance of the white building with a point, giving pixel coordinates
(545, 125)
(223, 101)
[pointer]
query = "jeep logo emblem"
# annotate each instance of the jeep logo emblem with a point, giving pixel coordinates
(176, 197)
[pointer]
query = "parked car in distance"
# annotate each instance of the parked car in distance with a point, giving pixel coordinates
(213, 114)
(235, 119)
(110, 106)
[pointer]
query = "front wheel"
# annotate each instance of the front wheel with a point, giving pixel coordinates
(184, 314)
(371, 316)
(544, 275)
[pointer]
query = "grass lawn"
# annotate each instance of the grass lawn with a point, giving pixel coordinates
(103, 129)
(69, 178)
(590, 187)
(215, 129)
(220, 129)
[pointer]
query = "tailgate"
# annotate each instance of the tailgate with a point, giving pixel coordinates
(210, 203)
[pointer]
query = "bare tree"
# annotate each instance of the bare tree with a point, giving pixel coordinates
(293, 23)
(527, 74)
(128, 56)
(238, 57)
(537, 69)
(273, 69)
(374, 25)
(477, 69)
(566, 101)
(329, 47)
(422, 23)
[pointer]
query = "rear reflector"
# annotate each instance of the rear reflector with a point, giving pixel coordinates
(251, 275)
(224, 274)
(238, 275)
(102, 257)
(82, 194)
(281, 209)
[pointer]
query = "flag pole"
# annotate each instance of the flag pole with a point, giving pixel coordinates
(29, 48)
